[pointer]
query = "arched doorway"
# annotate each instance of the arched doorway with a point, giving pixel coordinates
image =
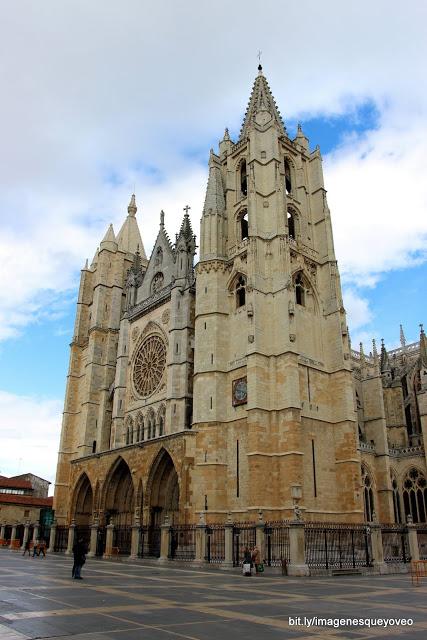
(163, 490)
(83, 501)
(119, 495)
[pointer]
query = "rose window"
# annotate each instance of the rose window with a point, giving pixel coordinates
(149, 365)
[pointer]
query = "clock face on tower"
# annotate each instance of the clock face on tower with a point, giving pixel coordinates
(240, 391)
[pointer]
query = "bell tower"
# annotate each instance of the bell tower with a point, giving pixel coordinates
(273, 395)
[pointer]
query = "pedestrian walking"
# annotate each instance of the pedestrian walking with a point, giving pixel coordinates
(256, 560)
(247, 562)
(27, 548)
(79, 554)
(42, 548)
(36, 549)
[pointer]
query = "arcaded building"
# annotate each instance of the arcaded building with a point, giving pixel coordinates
(230, 387)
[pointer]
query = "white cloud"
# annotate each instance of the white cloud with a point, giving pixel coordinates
(357, 307)
(101, 95)
(30, 429)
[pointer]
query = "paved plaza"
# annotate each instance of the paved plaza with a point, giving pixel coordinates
(123, 601)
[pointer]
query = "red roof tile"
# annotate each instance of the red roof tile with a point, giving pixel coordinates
(29, 501)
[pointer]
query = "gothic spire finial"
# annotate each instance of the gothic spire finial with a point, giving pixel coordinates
(374, 349)
(162, 219)
(362, 352)
(261, 99)
(423, 346)
(402, 338)
(132, 208)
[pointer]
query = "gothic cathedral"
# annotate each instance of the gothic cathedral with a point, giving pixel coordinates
(231, 387)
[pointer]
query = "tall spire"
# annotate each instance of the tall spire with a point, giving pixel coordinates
(423, 347)
(186, 229)
(261, 99)
(214, 200)
(402, 338)
(129, 238)
(384, 362)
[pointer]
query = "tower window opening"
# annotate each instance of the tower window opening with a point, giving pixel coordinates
(244, 225)
(299, 290)
(368, 496)
(288, 181)
(243, 179)
(291, 224)
(240, 292)
(94, 446)
(396, 502)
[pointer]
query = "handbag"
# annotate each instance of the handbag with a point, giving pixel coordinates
(260, 568)
(246, 569)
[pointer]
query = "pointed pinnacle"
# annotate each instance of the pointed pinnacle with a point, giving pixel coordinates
(162, 219)
(402, 337)
(132, 208)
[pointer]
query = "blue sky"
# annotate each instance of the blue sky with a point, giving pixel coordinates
(138, 104)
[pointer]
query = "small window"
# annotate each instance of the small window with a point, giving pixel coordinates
(291, 223)
(244, 225)
(26, 513)
(241, 292)
(299, 290)
(94, 446)
(288, 181)
(243, 179)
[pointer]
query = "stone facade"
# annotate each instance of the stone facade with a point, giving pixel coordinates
(232, 388)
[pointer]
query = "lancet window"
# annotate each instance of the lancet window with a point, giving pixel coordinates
(240, 290)
(288, 178)
(368, 496)
(129, 431)
(290, 215)
(243, 224)
(415, 495)
(396, 501)
(299, 289)
(243, 179)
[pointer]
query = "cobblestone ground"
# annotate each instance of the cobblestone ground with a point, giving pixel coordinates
(122, 601)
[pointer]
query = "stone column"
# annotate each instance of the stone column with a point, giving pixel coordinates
(201, 539)
(36, 532)
(71, 534)
(228, 559)
(93, 539)
(377, 548)
(26, 532)
(414, 551)
(12, 536)
(2, 530)
(134, 545)
(297, 565)
(109, 540)
(164, 540)
(52, 538)
(260, 537)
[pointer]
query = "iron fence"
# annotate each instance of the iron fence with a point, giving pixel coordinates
(20, 533)
(277, 550)
(61, 538)
(395, 543)
(122, 539)
(149, 542)
(244, 536)
(422, 541)
(337, 546)
(182, 542)
(44, 533)
(215, 543)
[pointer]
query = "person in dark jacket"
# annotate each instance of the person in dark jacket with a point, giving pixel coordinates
(79, 553)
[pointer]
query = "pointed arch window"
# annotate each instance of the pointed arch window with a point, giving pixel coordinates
(159, 256)
(243, 224)
(140, 428)
(288, 178)
(290, 219)
(157, 282)
(368, 496)
(396, 501)
(299, 289)
(129, 431)
(243, 179)
(240, 291)
(415, 495)
(161, 421)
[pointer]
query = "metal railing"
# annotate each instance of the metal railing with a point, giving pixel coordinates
(337, 546)
(395, 543)
(277, 550)
(149, 542)
(182, 542)
(61, 538)
(244, 535)
(122, 540)
(215, 543)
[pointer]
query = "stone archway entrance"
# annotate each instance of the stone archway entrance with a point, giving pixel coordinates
(119, 495)
(83, 502)
(163, 491)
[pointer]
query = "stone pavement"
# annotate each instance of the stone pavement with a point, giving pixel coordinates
(123, 601)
